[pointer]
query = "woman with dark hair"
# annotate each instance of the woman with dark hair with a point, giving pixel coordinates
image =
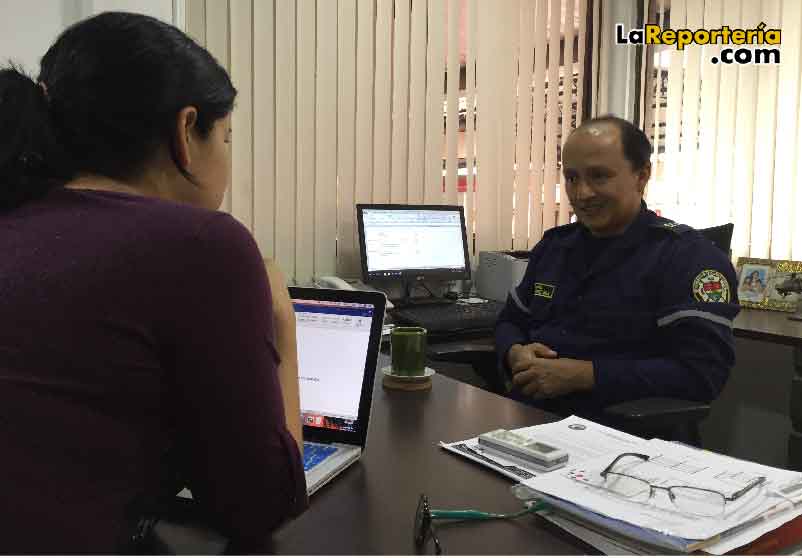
(140, 339)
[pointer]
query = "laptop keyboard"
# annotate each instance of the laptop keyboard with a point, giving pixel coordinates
(315, 453)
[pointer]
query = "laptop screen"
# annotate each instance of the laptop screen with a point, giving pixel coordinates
(333, 340)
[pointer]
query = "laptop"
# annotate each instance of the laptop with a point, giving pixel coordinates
(339, 334)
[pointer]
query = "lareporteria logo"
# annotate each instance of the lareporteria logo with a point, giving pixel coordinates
(653, 34)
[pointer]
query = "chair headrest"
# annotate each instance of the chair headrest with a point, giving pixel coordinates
(721, 236)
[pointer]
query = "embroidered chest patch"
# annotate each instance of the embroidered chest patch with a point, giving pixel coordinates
(711, 286)
(544, 290)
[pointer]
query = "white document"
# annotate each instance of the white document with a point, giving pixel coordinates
(670, 465)
(581, 438)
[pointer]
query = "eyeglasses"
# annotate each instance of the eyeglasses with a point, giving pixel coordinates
(690, 499)
(424, 516)
(424, 529)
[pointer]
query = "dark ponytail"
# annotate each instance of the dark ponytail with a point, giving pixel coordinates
(113, 86)
(30, 157)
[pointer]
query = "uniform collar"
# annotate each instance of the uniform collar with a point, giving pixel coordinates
(621, 246)
(638, 226)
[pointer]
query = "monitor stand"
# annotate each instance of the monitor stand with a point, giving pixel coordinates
(407, 300)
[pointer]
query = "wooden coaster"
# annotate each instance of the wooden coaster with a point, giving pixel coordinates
(391, 383)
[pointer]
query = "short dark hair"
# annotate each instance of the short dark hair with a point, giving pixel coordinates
(637, 147)
(109, 92)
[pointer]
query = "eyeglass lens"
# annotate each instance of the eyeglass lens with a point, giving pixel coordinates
(697, 501)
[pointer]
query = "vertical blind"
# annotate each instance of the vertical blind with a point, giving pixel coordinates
(726, 136)
(394, 101)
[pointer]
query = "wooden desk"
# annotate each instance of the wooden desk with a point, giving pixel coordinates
(775, 327)
(764, 325)
(370, 508)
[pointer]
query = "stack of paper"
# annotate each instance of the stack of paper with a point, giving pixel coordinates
(578, 495)
(580, 491)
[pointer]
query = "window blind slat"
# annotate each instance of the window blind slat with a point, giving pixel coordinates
(666, 190)
(787, 121)
(595, 61)
(765, 129)
(196, 20)
(507, 63)
(382, 91)
(417, 103)
(286, 132)
(364, 100)
(347, 251)
(452, 102)
(217, 43)
(487, 130)
(470, 122)
(708, 113)
(689, 138)
(728, 87)
(523, 148)
(400, 114)
(325, 194)
(435, 70)
(644, 114)
(567, 99)
(264, 127)
(793, 215)
(580, 83)
(305, 142)
(550, 172)
(241, 17)
(604, 33)
(744, 135)
(538, 127)
(658, 119)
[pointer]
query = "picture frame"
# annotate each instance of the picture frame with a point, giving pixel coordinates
(770, 284)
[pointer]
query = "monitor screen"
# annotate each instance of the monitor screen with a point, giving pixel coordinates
(330, 388)
(425, 241)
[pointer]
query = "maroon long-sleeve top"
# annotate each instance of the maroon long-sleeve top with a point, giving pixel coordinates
(133, 329)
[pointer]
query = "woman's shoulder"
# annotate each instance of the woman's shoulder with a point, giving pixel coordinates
(150, 214)
(164, 227)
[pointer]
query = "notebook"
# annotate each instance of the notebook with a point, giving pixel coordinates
(339, 333)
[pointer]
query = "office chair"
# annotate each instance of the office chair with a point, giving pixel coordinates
(653, 417)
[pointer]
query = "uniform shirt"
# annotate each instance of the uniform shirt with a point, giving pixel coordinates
(132, 328)
(652, 309)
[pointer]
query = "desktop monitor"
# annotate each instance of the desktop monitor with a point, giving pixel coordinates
(413, 242)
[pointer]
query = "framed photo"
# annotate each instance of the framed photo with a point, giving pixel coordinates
(769, 284)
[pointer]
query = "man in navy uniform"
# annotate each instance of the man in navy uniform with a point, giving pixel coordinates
(622, 304)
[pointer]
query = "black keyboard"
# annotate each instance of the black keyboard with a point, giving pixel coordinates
(445, 318)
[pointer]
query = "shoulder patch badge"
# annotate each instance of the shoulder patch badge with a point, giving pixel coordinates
(544, 290)
(711, 286)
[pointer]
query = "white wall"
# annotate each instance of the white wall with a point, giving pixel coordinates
(29, 27)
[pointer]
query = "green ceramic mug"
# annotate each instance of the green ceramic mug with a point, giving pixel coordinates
(408, 351)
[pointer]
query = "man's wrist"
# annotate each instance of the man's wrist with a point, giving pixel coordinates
(587, 375)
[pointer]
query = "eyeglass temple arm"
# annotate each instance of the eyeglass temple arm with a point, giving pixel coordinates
(757, 482)
(438, 549)
(476, 514)
(611, 465)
